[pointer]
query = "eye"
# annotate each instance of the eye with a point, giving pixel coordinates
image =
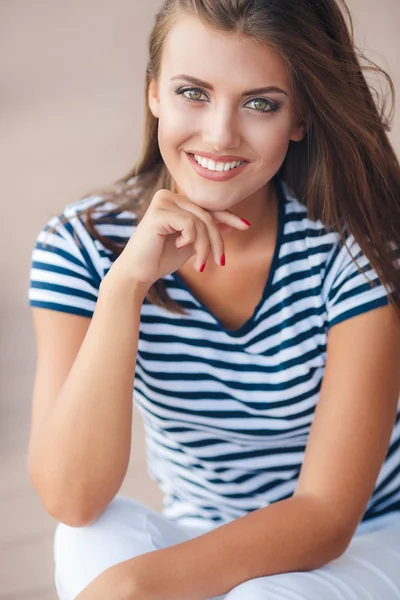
(272, 106)
(258, 101)
(191, 91)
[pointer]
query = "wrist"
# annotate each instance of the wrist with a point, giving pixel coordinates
(117, 279)
(114, 284)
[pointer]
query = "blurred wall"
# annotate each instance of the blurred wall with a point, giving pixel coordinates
(72, 97)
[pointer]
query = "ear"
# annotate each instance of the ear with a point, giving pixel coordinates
(153, 98)
(298, 132)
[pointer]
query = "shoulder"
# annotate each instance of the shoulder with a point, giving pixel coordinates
(298, 220)
(91, 222)
(90, 230)
(317, 237)
(334, 268)
(311, 237)
(102, 212)
(72, 255)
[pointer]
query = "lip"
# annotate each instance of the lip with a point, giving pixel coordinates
(215, 175)
(216, 158)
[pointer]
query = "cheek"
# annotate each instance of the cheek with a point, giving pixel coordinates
(174, 131)
(272, 145)
(175, 125)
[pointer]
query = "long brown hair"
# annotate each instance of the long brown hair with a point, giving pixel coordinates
(344, 171)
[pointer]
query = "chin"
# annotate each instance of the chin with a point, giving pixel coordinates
(209, 200)
(216, 203)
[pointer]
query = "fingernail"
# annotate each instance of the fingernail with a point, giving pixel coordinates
(202, 267)
(223, 260)
(246, 222)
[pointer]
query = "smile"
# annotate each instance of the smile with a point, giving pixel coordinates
(211, 165)
(216, 171)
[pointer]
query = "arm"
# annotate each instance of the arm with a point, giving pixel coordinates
(79, 452)
(347, 445)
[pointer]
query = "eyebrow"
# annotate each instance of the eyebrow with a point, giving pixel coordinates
(204, 84)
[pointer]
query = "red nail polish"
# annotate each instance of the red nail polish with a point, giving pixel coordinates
(246, 222)
(223, 260)
(202, 267)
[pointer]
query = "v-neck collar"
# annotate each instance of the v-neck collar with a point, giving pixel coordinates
(247, 326)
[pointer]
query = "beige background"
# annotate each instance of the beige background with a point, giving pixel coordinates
(72, 93)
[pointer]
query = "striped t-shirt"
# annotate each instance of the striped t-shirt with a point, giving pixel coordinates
(227, 413)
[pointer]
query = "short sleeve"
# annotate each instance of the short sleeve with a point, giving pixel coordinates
(348, 292)
(65, 273)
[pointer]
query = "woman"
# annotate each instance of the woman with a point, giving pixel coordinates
(243, 281)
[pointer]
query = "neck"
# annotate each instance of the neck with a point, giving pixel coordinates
(261, 210)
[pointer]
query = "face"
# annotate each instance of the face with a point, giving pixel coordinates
(225, 120)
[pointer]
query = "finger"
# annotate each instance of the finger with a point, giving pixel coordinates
(214, 234)
(201, 245)
(224, 228)
(177, 221)
(229, 218)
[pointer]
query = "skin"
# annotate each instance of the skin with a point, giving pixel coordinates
(224, 122)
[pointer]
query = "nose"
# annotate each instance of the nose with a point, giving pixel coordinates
(220, 129)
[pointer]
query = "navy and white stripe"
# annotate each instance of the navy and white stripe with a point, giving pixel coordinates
(227, 413)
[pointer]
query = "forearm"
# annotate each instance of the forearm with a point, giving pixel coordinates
(292, 535)
(79, 455)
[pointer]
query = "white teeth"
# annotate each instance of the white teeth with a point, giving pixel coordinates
(211, 165)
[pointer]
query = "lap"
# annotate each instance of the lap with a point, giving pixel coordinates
(126, 529)
(368, 570)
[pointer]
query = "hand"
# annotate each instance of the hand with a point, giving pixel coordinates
(155, 250)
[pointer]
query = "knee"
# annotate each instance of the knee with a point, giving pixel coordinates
(73, 547)
(248, 589)
(281, 586)
(79, 557)
(69, 538)
(83, 553)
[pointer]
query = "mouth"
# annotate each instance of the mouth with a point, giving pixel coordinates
(204, 170)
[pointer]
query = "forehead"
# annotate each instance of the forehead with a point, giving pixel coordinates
(224, 59)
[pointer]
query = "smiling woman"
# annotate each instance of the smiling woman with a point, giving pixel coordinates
(243, 282)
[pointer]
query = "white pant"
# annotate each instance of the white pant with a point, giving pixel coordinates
(368, 570)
